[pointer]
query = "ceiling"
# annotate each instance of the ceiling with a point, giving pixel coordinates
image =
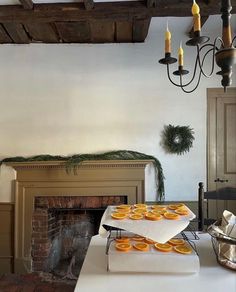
(89, 21)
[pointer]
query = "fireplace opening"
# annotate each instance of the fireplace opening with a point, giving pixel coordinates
(62, 230)
(69, 246)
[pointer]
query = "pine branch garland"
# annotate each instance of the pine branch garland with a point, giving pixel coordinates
(72, 163)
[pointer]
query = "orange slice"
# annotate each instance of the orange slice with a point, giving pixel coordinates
(136, 216)
(123, 211)
(183, 249)
(157, 212)
(149, 240)
(122, 240)
(124, 206)
(181, 211)
(158, 207)
(165, 247)
(139, 211)
(118, 216)
(175, 206)
(176, 241)
(142, 206)
(141, 246)
(137, 238)
(171, 216)
(123, 246)
(153, 217)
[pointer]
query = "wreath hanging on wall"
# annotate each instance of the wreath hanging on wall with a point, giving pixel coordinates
(177, 139)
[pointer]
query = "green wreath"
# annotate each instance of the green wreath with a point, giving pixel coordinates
(177, 139)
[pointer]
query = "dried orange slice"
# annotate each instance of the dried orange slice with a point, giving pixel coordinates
(123, 211)
(118, 216)
(122, 239)
(149, 240)
(136, 216)
(176, 241)
(158, 207)
(153, 217)
(175, 206)
(123, 246)
(157, 212)
(124, 206)
(171, 216)
(165, 247)
(183, 249)
(140, 211)
(181, 211)
(142, 206)
(137, 238)
(141, 246)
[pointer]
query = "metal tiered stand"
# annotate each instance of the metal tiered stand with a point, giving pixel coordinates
(189, 235)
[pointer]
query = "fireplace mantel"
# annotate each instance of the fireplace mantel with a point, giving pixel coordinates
(92, 178)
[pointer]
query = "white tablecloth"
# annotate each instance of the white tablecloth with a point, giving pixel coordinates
(94, 276)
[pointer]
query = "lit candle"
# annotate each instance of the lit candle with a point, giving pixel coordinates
(181, 55)
(196, 17)
(167, 40)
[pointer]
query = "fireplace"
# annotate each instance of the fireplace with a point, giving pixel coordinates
(95, 185)
(61, 231)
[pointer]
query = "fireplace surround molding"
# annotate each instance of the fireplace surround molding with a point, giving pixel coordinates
(92, 178)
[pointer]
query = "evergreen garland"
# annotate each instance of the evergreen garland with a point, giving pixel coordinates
(72, 163)
(177, 139)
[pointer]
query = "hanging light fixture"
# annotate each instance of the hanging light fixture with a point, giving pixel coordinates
(222, 50)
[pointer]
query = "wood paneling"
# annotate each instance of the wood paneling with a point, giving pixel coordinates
(7, 237)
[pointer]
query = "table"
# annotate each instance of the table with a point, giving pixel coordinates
(212, 277)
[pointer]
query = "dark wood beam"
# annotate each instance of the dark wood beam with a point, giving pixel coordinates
(42, 32)
(17, 33)
(105, 10)
(88, 4)
(140, 29)
(4, 37)
(27, 4)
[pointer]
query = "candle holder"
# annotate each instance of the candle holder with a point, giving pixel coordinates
(180, 71)
(197, 39)
(168, 59)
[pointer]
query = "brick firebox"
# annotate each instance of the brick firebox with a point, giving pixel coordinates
(47, 224)
(113, 178)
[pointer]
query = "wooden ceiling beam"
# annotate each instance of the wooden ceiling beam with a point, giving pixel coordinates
(27, 4)
(105, 10)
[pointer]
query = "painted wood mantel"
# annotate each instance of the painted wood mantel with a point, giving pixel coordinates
(93, 178)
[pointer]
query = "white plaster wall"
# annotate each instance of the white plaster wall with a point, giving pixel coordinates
(67, 99)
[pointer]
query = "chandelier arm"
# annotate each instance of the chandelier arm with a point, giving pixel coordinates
(213, 49)
(233, 40)
(168, 74)
(196, 86)
(182, 85)
(201, 64)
